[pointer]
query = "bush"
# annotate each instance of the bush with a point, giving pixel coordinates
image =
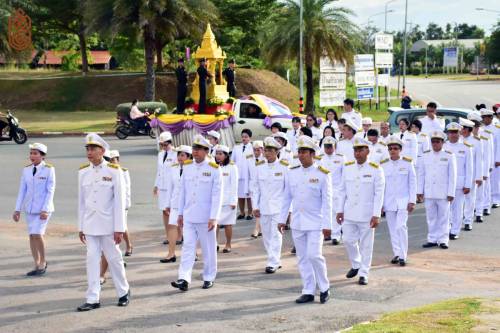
(435, 70)
(416, 71)
(123, 109)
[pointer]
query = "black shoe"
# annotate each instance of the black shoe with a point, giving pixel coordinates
(171, 259)
(240, 217)
(479, 219)
(402, 262)
(495, 206)
(165, 242)
(294, 250)
(249, 218)
(88, 306)
(260, 234)
(335, 241)
(180, 284)
(31, 273)
(217, 248)
(179, 242)
(207, 285)
(128, 253)
(305, 299)
(271, 270)
(324, 297)
(453, 237)
(467, 227)
(352, 273)
(221, 227)
(254, 236)
(327, 239)
(124, 300)
(363, 281)
(395, 260)
(429, 244)
(443, 246)
(226, 251)
(486, 212)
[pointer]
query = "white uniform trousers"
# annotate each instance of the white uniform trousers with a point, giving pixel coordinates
(478, 204)
(336, 228)
(96, 245)
(469, 203)
(438, 222)
(358, 241)
(272, 239)
(486, 202)
(312, 264)
(457, 212)
(495, 186)
(398, 230)
(192, 233)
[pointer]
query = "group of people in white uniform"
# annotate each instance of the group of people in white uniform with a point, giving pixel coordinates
(324, 188)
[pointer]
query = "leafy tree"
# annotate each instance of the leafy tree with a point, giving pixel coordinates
(434, 32)
(493, 46)
(465, 31)
(327, 30)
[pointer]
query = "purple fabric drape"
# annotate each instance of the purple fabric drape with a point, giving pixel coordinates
(178, 127)
(269, 120)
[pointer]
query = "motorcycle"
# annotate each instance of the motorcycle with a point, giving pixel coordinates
(15, 132)
(125, 127)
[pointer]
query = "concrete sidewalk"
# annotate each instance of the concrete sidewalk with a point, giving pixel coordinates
(244, 298)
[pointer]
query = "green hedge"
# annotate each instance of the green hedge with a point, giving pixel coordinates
(124, 108)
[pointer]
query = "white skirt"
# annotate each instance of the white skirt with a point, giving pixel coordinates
(227, 215)
(35, 225)
(172, 218)
(243, 189)
(162, 199)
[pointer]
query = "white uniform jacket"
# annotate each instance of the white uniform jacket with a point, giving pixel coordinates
(437, 174)
(36, 192)
(400, 183)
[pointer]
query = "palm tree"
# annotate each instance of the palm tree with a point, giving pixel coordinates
(327, 30)
(148, 19)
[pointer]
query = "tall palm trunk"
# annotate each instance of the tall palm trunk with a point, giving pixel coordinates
(83, 49)
(309, 90)
(149, 50)
(159, 55)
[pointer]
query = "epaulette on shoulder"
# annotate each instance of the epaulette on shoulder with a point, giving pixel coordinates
(213, 165)
(468, 144)
(288, 150)
(231, 162)
(488, 131)
(383, 143)
(373, 164)
(407, 159)
(124, 169)
(449, 152)
(187, 162)
(497, 125)
(114, 166)
(174, 164)
(349, 163)
(317, 158)
(339, 154)
(477, 137)
(483, 137)
(260, 162)
(295, 167)
(385, 160)
(324, 170)
(423, 134)
(283, 162)
(83, 166)
(427, 151)
(48, 165)
(295, 156)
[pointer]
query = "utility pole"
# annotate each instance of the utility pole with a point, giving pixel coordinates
(301, 60)
(404, 46)
(385, 21)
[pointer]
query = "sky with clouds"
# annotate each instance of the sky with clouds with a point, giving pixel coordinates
(424, 11)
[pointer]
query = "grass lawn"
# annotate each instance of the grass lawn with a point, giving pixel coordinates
(443, 317)
(62, 121)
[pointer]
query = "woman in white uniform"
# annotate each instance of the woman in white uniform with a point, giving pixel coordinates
(229, 194)
(36, 199)
(258, 153)
(184, 156)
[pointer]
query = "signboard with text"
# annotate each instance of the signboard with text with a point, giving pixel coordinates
(364, 79)
(383, 80)
(384, 41)
(331, 98)
(365, 93)
(450, 57)
(332, 81)
(383, 60)
(327, 66)
(363, 62)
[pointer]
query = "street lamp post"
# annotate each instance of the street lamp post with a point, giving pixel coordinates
(385, 21)
(488, 10)
(404, 46)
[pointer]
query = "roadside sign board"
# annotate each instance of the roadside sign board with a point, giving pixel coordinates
(383, 60)
(331, 98)
(383, 80)
(450, 57)
(333, 81)
(365, 93)
(384, 41)
(363, 62)
(364, 79)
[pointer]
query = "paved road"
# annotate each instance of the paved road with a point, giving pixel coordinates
(454, 93)
(244, 298)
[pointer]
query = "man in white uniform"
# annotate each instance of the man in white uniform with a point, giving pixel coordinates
(477, 168)
(268, 188)
(360, 206)
(366, 124)
(492, 184)
(423, 142)
(378, 150)
(351, 114)
(399, 198)
(344, 146)
(431, 123)
(475, 117)
(166, 157)
(385, 133)
(464, 158)
(294, 133)
(101, 220)
(200, 202)
(437, 183)
(410, 145)
(309, 190)
(333, 162)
